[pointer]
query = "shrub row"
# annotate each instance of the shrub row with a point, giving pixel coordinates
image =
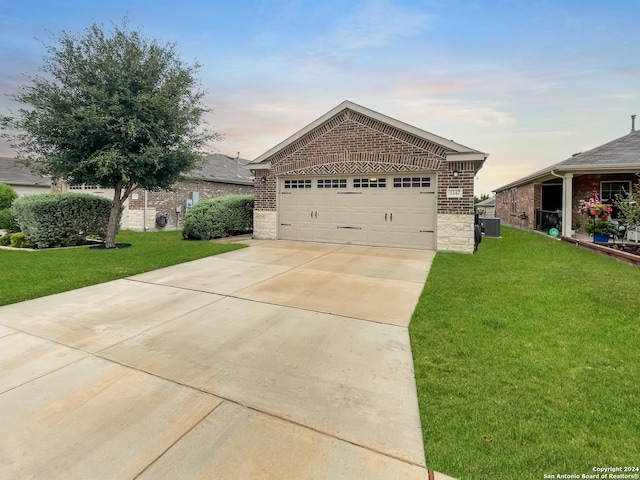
(219, 217)
(61, 219)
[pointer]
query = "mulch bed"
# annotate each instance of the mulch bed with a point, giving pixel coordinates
(633, 249)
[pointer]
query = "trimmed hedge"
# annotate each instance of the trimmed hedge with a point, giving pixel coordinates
(219, 217)
(61, 219)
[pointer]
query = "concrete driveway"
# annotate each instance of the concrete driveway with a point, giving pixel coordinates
(281, 360)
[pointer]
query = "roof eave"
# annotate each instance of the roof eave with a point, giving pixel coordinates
(478, 158)
(582, 169)
(258, 166)
(27, 184)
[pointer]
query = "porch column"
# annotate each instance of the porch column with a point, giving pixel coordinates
(567, 204)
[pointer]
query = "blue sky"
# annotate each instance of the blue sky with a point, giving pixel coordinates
(529, 82)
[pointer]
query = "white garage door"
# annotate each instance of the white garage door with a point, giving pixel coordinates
(385, 210)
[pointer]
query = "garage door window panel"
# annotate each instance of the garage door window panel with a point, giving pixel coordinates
(332, 183)
(369, 182)
(291, 184)
(411, 182)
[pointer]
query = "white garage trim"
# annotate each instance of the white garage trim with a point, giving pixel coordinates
(392, 210)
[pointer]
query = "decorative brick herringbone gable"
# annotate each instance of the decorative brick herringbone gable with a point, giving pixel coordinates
(357, 162)
(353, 143)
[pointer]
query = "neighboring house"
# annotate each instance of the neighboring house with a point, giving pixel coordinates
(144, 210)
(220, 175)
(355, 176)
(22, 179)
(550, 197)
(486, 208)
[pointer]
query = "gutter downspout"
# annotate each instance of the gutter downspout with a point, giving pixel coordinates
(567, 201)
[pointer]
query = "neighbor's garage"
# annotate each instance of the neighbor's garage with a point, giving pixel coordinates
(381, 210)
(355, 176)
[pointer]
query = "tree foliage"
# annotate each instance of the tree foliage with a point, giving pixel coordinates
(114, 109)
(481, 198)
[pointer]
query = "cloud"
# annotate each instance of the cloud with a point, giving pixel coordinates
(378, 22)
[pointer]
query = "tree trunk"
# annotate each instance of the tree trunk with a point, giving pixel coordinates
(114, 218)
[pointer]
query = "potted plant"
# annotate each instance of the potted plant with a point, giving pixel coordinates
(600, 229)
(597, 213)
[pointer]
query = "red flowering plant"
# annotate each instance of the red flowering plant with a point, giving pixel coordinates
(598, 214)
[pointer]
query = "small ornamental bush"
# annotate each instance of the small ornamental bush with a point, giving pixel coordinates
(219, 217)
(18, 240)
(61, 219)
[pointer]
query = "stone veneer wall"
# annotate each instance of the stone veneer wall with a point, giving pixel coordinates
(351, 143)
(455, 233)
(137, 220)
(265, 225)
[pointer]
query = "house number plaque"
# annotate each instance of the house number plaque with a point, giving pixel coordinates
(454, 193)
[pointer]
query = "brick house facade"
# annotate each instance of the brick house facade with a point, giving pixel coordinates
(165, 210)
(171, 205)
(351, 140)
(220, 175)
(550, 198)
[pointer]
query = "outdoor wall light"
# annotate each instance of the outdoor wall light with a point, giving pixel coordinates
(263, 179)
(456, 174)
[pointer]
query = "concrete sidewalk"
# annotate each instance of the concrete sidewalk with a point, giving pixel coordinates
(281, 360)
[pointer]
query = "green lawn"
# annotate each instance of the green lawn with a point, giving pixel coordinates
(527, 360)
(25, 275)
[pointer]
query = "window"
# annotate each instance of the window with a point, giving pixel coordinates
(408, 182)
(513, 201)
(609, 189)
(369, 182)
(332, 183)
(297, 184)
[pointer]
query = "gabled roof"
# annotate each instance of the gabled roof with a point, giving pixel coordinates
(619, 155)
(489, 202)
(223, 169)
(14, 173)
(217, 168)
(457, 151)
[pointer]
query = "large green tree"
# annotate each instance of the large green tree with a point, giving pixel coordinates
(111, 108)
